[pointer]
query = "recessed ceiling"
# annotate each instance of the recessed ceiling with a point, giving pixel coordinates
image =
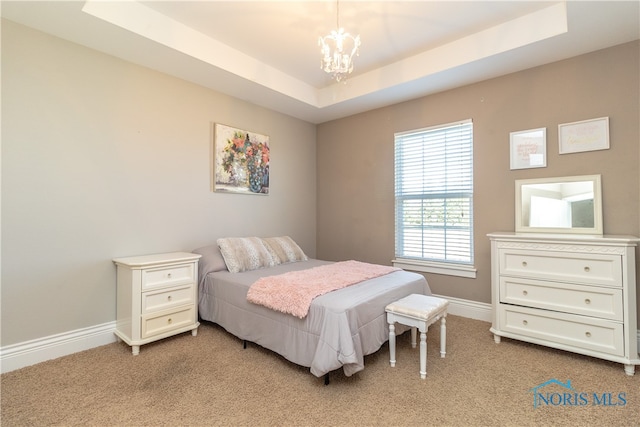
(266, 52)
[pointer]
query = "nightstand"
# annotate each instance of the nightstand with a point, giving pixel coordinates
(157, 297)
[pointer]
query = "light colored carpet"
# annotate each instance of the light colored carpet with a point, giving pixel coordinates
(211, 380)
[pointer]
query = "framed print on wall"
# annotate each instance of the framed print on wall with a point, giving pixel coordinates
(585, 135)
(528, 148)
(240, 161)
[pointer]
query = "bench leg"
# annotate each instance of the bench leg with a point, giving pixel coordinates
(423, 354)
(443, 336)
(392, 344)
(413, 337)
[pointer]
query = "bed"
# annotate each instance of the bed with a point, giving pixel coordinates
(341, 326)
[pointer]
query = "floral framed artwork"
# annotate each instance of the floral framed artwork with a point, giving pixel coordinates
(528, 149)
(585, 135)
(240, 161)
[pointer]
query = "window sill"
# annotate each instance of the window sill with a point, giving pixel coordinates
(459, 270)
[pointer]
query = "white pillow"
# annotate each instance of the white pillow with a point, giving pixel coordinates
(245, 253)
(284, 249)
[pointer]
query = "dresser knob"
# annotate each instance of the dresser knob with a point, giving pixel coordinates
(588, 334)
(525, 323)
(524, 263)
(169, 320)
(587, 301)
(525, 293)
(169, 275)
(587, 269)
(169, 298)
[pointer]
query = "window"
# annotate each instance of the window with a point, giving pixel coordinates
(434, 199)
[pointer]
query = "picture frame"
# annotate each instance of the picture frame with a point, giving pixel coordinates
(585, 135)
(240, 161)
(528, 148)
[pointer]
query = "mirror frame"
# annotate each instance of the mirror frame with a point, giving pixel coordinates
(597, 206)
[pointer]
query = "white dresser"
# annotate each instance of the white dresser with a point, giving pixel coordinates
(571, 292)
(157, 297)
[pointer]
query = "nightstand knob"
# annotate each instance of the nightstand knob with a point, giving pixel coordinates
(587, 301)
(525, 323)
(169, 275)
(169, 298)
(587, 269)
(525, 293)
(588, 334)
(169, 320)
(524, 263)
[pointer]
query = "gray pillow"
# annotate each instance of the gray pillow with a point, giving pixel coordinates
(210, 261)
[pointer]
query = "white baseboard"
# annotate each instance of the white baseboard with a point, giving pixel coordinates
(466, 308)
(28, 353)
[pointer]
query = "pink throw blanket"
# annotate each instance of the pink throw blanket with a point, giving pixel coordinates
(293, 292)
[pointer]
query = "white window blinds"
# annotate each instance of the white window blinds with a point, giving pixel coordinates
(434, 193)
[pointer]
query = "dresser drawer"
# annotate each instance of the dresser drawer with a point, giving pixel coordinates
(571, 330)
(585, 268)
(167, 298)
(602, 302)
(166, 322)
(167, 276)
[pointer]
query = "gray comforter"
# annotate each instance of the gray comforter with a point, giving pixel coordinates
(341, 328)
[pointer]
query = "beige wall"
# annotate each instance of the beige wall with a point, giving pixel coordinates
(102, 159)
(355, 156)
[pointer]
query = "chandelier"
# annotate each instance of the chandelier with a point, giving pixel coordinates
(337, 50)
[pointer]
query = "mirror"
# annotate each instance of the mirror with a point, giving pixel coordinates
(559, 205)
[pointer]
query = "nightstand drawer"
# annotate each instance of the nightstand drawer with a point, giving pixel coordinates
(167, 276)
(602, 302)
(165, 322)
(585, 268)
(164, 299)
(566, 329)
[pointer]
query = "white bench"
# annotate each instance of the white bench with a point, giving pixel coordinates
(417, 311)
